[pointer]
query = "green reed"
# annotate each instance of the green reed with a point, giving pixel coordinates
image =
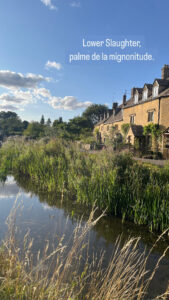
(131, 190)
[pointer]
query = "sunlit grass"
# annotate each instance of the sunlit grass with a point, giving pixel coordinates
(124, 187)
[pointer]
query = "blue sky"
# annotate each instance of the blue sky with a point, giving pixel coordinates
(37, 36)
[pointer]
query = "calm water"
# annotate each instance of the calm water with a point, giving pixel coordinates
(48, 217)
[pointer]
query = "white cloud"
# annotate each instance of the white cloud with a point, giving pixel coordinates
(8, 107)
(12, 80)
(16, 99)
(75, 4)
(67, 103)
(22, 90)
(49, 4)
(53, 64)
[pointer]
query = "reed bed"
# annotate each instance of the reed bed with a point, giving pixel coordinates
(67, 273)
(126, 188)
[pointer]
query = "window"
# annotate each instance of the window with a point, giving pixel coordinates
(150, 116)
(129, 139)
(136, 98)
(116, 126)
(107, 128)
(145, 94)
(155, 91)
(132, 119)
(102, 128)
(167, 143)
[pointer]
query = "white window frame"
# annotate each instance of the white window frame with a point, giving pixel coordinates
(155, 90)
(151, 112)
(132, 117)
(145, 94)
(136, 97)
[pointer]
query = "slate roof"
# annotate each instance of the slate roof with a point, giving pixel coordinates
(150, 86)
(115, 118)
(162, 82)
(100, 122)
(139, 90)
(130, 102)
(137, 130)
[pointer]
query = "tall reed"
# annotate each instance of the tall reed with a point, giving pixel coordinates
(126, 188)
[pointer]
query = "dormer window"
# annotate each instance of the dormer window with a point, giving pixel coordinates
(155, 91)
(145, 94)
(136, 98)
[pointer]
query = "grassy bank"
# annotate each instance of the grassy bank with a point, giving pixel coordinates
(128, 189)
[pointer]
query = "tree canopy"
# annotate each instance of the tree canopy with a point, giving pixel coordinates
(94, 111)
(10, 124)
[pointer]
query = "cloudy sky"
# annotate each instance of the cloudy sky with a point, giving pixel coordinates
(37, 37)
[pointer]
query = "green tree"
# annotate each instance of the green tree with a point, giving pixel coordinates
(25, 124)
(79, 126)
(94, 111)
(10, 124)
(34, 130)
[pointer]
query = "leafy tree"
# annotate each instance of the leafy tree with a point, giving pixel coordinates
(10, 124)
(34, 130)
(79, 125)
(94, 111)
(25, 124)
(58, 122)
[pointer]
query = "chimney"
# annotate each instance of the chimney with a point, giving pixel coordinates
(115, 105)
(165, 72)
(132, 92)
(100, 118)
(104, 116)
(124, 99)
(108, 114)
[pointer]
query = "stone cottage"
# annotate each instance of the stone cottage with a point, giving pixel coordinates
(147, 104)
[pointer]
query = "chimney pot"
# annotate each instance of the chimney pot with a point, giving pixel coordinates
(132, 92)
(165, 72)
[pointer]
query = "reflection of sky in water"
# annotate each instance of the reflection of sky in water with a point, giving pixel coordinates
(51, 223)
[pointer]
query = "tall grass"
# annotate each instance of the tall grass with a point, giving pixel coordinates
(124, 187)
(67, 272)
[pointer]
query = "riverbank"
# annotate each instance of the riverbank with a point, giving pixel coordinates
(126, 188)
(67, 271)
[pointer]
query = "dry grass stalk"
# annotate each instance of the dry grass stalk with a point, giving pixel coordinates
(66, 273)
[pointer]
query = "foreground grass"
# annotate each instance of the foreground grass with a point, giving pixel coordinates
(124, 187)
(67, 272)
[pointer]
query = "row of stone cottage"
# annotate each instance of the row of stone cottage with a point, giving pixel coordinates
(146, 105)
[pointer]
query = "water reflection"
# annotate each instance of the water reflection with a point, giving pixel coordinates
(48, 217)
